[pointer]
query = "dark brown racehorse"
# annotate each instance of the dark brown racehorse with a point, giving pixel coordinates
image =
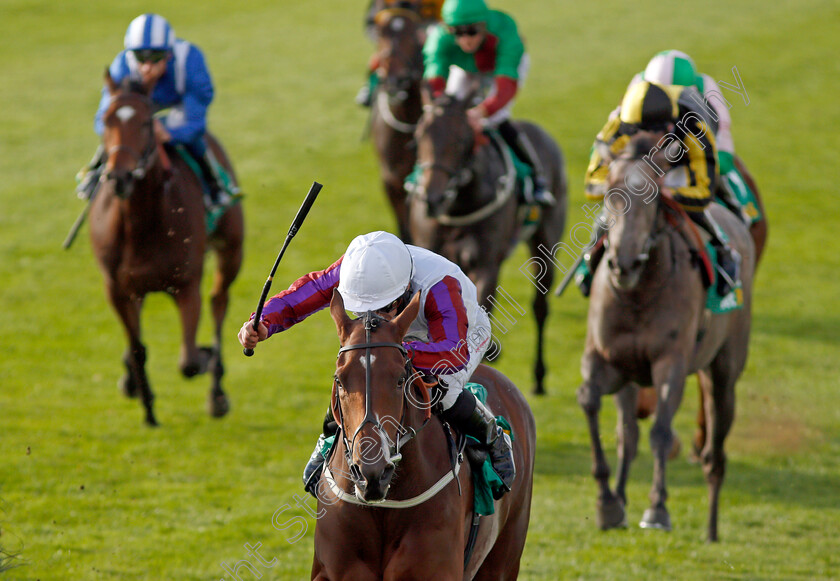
(389, 508)
(647, 325)
(148, 233)
(397, 103)
(467, 206)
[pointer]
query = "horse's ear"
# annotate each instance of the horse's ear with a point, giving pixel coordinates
(472, 93)
(403, 320)
(112, 86)
(339, 315)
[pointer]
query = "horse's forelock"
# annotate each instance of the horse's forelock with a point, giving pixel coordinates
(639, 146)
(133, 86)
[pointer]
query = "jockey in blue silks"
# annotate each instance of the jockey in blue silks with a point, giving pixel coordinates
(176, 75)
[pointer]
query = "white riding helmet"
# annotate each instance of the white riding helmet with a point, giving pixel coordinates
(671, 67)
(376, 271)
(149, 32)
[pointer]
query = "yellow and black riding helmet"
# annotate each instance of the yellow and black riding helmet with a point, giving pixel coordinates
(649, 106)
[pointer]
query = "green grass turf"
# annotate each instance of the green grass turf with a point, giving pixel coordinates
(88, 492)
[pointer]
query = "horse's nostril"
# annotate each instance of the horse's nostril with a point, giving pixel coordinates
(611, 264)
(636, 264)
(387, 474)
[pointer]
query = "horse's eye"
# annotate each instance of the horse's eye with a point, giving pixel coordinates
(337, 382)
(401, 382)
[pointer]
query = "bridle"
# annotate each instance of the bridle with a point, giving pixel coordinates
(144, 159)
(371, 322)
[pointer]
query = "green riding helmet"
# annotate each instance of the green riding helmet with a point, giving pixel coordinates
(461, 12)
(671, 67)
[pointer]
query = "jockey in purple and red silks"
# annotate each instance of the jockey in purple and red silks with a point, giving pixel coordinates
(448, 338)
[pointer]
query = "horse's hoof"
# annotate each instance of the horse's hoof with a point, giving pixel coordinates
(151, 421)
(127, 386)
(218, 405)
(611, 515)
(656, 518)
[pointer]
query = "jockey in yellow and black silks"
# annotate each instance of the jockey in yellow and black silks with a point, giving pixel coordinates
(692, 178)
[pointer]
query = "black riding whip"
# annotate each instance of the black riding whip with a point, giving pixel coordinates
(296, 223)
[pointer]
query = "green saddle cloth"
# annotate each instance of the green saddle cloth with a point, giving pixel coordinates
(212, 214)
(716, 303)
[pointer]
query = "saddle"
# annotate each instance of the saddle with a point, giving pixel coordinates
(229, 196)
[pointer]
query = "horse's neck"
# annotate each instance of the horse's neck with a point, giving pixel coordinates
(486, 166)
(146, 206)
(411, 108)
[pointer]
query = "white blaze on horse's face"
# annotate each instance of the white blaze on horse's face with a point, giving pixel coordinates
(363, 360)
(125, 113)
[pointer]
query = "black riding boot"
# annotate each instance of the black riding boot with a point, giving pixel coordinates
(728, 259)
(211, 177)
(472, 418)
(524, 150)
(315, 466)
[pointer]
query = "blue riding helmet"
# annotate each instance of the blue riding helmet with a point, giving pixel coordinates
(149, 32)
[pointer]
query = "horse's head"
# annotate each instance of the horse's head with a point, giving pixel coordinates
(129, 138)
(371, 402)
(399, 51)
(633, 188)
(445, 143)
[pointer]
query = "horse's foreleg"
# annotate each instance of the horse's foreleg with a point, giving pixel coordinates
(610, 509)
(627, 428)
(134, 382)
(669, 382)
(541, 315)
(229, 261)
(192, 361)
(397, 196)
(720, 411)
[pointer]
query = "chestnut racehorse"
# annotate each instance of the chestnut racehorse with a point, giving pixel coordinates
(391, 506)
(148, 232)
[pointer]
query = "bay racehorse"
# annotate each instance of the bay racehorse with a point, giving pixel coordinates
(391, 506)
(647, 325)
(148, 233)
(467, 204)
(397, 103)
